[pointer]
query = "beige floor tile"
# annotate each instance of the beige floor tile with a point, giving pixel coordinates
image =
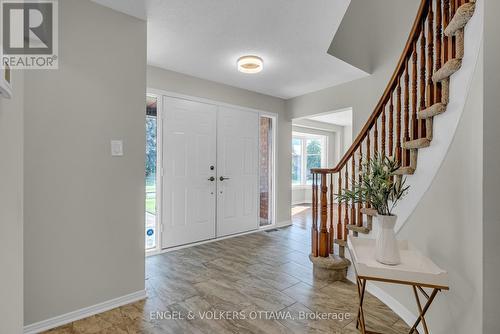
(266, 273)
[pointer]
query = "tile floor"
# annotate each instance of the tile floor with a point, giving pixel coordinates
(257, 283)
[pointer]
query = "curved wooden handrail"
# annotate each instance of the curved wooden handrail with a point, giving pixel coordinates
(410, 93)
(408, 50)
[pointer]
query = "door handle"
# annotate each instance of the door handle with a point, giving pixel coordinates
(211, 178)
(222, 178)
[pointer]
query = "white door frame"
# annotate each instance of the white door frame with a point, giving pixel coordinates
(164, 93)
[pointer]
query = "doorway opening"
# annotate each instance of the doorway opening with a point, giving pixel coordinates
(151, 176)
(318, 141)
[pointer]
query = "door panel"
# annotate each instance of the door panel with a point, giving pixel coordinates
(237, 160)
(189, 149)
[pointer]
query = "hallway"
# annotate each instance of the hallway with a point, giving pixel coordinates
(255, 276)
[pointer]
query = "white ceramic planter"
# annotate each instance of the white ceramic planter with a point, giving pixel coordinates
(386, 247)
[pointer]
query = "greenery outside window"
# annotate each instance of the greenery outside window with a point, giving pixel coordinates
(308, 151)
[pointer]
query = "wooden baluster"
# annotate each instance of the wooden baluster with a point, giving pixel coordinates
(353, 179)
(423, 80)
(340, 229)
(391, 126)
(323, 234)
(406, 153)
(314, 229)
(368, 153)
(375, 138)
(414, 85)
(368, 149)
(339, 209)
(331, 231)
(346, 213)
(446, 40)
(452, 48)
(360, 179)
(384, 134)
(430, 63)
(398, 122)
(437, 66)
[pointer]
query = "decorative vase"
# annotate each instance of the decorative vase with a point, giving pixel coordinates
(386, 246)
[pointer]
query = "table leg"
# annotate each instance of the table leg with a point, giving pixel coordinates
(423, 310)
(361, 316)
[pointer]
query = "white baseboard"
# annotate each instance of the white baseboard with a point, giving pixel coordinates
(285, 223)
(301, 202)
(406, 315)
(85, 312)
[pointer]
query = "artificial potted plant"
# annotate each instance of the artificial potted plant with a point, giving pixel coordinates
(382, 189)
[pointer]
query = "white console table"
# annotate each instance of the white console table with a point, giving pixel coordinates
(415, 270)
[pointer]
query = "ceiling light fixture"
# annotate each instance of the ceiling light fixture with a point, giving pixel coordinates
(250, 64)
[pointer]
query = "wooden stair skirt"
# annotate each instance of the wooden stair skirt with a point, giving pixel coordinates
(400, 125)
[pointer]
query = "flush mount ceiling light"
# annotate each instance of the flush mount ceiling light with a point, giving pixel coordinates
(250, 64)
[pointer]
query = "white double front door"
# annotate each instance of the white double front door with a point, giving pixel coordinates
(210, 171)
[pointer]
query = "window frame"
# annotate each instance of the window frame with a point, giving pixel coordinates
(304, 137)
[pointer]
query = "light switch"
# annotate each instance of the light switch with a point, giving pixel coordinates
(117, 148)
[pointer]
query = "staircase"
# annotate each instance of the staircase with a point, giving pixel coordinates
(400, 125)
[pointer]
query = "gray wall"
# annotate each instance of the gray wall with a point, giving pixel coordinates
(446, 226)
(369, 28)
(84, 210)
(363, 94)
(11, 208)
(183, 84)
(491, 168)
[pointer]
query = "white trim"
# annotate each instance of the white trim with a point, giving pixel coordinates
(301, 186)
(264, 228)
(305, 201)
(85, 312)
(208, 101)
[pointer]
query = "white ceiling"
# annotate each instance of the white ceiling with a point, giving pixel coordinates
(204, 38)
(342, 117)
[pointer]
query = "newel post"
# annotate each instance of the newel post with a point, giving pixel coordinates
(326, 265)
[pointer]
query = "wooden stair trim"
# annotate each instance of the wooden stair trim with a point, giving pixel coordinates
(448, 69)
(445, 91)
(460, 19)
(369, 212)
(429, 125)
(416, 143)
(405, 171)
(460, 44)
(434, 110)
(358, 229)
(340, 242)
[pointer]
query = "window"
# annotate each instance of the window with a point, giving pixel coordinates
(308, 151)
(266, 165)
(150, 172)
